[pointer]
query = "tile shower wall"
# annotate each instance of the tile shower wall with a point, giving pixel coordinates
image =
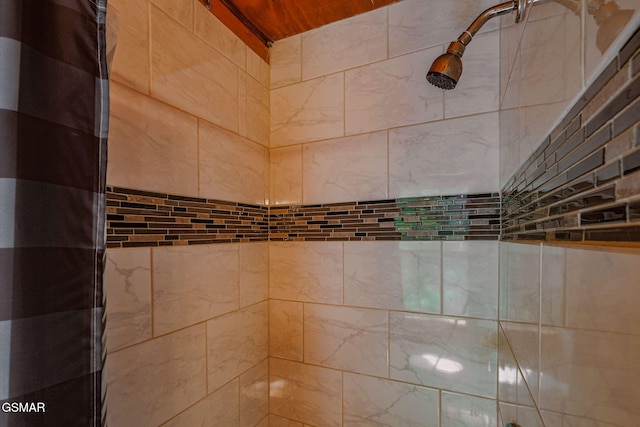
(568, 340)
(382, 332)
(187, 336)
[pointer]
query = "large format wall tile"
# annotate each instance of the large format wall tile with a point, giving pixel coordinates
(391, 93)
(393, 275)
(257, 112)
(286, 329)
(236, 342)
(151, 382)
(231, 167)
(306, 271)
(345, 44)
(128, 290)
(524, 343)
(254, 394)
(450, 353)
(352, 339)
(307, 111)
(457, 156)
(286, 61)
(152, 146)
(131, 60)
(590, 374)
(285, 175)
(345, 169)
(378, 402)
(215, 33)
(520, 282)
(180, 10)
(193, 284)
(253, 273)
(220, 408)
(468, 411)
(305, 393)
(470, 279)
(190, 74)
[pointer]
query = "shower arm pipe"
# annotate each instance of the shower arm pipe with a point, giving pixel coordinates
(457, 47)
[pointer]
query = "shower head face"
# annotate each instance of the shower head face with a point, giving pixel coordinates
(445, 71)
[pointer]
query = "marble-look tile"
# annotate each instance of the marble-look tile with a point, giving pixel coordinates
(236, 342)
(552, 285)
(276, 421)
(258, 68)
(571, 421)
(305, 393)
(468, 411)
(220, 408)
(520, 282)
(391, 93)
(231, 167)
(393, 275)
(470, 279)
(351, 339)
(254, 395)
(507, 370)
(306, 271)
(128, 297)
(448, 353)
(345, 169)
(131, 61)
(151, 145)
(149, 383)
(379, 402)
(590, 374)
(180, 10)
(257, 112)
(345, 44)
(529, 416)
(478, 88)
(209, 28)
(192, 284)
(416, 24)
(457, 156)
(524, 343)
(553, 419)
(307, 111)
(510, 140)
(285, 175)
(253, 272)
(286, 329)
(286, 61)
(600, 286)
(190, 74)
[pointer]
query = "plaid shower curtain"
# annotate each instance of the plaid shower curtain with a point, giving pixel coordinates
(53, 128)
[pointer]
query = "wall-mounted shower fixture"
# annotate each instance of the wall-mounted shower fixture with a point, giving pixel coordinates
(446, 69)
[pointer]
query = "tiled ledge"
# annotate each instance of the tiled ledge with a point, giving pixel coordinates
(583, 183)
(141, 218)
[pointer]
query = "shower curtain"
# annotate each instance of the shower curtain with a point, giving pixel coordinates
(53, 128)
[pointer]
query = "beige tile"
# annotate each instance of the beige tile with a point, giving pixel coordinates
(149, 383)
(306, 271)
(286, 61)
(236, 342)
(192, 284)
(305, 393)
(370, 401)
(131, 61)
(215, 33)
(345, 169)
(470, 279)
(345, 44)
(253, 272)
(351, 339)
(468, 411)
(447, 353)
(457, 156)
(307, 111)
(393, 275)
(128, 297)
(231, 167)
(257, 68)
(190, 74)
(286, 175)
(257, 112)
(275, 421)
(254, 395)
(391, 93)
(220, 408)
(180, 10)
(152, 146)
(286, 329)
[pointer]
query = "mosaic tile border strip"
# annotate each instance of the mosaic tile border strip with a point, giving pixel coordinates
(583, 183)
(142, 218)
